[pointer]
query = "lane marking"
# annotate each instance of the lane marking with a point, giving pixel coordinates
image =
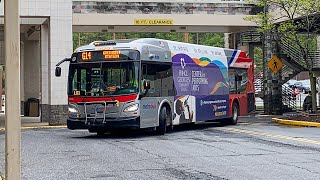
(236, 130)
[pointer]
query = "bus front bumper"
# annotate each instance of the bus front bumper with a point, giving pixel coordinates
(128, 122)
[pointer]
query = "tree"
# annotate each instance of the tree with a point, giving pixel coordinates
(209, 39)
(258, 59)
(293, 22)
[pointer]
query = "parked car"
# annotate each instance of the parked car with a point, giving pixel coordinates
(291, 82)
(302, 86)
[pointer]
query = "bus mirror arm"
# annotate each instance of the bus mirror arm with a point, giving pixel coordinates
(58, 69)
(64, 60)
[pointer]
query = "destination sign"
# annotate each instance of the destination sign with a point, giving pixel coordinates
(106, 55)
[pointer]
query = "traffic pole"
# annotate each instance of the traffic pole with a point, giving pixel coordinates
(12, 70)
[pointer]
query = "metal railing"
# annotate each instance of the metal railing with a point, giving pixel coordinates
(250, 37)
(291, 50)
(258, 82)
(289, 100)
(314, 57)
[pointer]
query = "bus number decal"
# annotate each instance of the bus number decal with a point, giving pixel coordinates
(86, 56)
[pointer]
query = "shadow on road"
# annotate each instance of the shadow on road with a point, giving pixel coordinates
(143, 133)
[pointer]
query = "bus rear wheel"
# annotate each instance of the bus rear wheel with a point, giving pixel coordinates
(161, 129)
(235, 114)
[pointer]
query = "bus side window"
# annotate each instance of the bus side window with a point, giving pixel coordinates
(164, 74)
(149, 73)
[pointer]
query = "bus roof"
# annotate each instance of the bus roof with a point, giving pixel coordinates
(228, 57)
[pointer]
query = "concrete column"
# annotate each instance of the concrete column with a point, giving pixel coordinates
(226, 40)
(31, 69)
(272, 82)
(22, 60)
(44, 95)
(60, 47)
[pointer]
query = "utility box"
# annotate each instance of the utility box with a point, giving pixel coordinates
(32, 107)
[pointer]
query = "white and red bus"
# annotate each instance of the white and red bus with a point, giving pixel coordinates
(155, 83)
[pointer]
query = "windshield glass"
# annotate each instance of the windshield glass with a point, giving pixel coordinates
(103, 79)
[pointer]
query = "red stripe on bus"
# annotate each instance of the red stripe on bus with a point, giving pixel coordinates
(123, 98)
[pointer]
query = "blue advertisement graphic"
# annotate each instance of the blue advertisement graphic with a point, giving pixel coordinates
(199, 77)
(202, 89)
(212, 107)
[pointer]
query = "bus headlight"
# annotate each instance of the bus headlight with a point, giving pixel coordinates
(73, 108)
(131, 108)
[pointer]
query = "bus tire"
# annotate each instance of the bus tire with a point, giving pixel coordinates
(100, 132)
(235, 114)
(161, 129)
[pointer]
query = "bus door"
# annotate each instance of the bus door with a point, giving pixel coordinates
(149, 102)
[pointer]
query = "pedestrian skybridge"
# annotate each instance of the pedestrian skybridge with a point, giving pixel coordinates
(162, 15)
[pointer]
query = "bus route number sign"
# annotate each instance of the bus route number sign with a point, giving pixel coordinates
(86, 56)
(100, 55)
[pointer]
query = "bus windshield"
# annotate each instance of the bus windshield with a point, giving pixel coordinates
(103, 79)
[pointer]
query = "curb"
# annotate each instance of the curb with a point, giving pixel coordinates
(37, 127)
(295, 123)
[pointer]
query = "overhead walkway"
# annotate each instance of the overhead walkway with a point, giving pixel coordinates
(162, 16)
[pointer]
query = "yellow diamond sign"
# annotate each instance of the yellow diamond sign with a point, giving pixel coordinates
(275, 64)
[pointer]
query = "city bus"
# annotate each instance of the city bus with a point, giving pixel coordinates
(155, 83)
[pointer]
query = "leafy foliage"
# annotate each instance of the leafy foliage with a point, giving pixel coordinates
(293, 20)
(209, 39)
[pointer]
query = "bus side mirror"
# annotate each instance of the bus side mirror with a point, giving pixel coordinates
(146, 84)
(58, 71)
(238, 78)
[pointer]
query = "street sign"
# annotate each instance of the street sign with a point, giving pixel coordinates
(275, 64)
(153, 22)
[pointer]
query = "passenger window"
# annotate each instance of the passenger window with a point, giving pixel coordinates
(161, 79)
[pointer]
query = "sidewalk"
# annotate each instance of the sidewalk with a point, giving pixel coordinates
(25, 122)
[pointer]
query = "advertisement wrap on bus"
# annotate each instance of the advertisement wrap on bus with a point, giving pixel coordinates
(155, 83)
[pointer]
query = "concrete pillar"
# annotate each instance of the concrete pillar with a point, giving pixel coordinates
(272, 82)
(60, 47)
(31, 69)
(22, 60)
(44, 95)
(226, 40)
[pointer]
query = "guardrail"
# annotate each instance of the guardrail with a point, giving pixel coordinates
(290, 49)
(314, 57)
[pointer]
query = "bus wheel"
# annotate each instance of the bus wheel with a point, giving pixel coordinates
(100, 132)
(161, 129)
(235, 114)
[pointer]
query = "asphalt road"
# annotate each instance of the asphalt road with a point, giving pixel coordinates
(253, 149)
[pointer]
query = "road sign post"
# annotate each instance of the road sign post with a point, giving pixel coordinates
(12, 65)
